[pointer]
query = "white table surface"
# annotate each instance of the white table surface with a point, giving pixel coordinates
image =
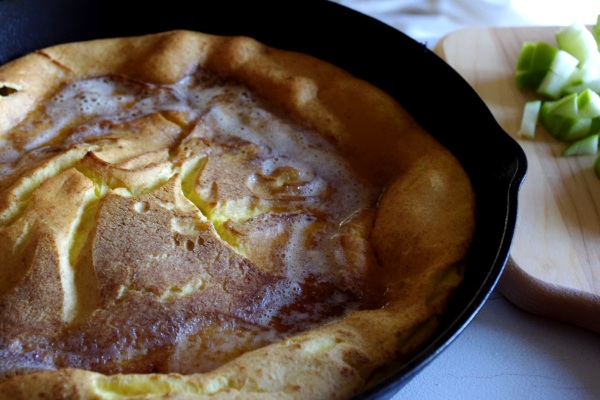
(504, 353)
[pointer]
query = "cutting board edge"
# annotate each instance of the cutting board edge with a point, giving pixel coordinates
(549, 301)
(524, 290)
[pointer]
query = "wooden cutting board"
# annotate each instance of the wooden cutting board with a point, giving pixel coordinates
(554, 265)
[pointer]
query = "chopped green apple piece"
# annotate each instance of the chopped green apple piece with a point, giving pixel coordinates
(564, 63)
(567, 78)
(585, 146)
(546, 107)
(566, 106)
(525, 59)
(574, 129)
(587, 71)
(576, 105)
(593, 85)
(559, 75)
(567, 129)
(536, 56)
(597, 166)
(578, 78)
(552, 85)
(564, 128)
(588, 104)
(530, 118)
(543, 56)
(530, 79)
(578, 41)
(533, 63)
(596, 31)
(544, 67)
(595, 126)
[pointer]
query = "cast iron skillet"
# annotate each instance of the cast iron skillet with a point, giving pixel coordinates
(440, 100)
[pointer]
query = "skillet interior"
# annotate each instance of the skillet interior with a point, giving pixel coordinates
(440, 100)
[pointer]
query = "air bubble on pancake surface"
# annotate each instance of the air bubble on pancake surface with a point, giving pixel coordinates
(177, 292)
(284, 145)
(7, 89)
(188, 226)
(86, 102)
(274, 298)
(141, 206)
(87, 97)
(16, 355)
(83, 103)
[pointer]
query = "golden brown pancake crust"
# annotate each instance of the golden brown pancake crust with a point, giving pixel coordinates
(294, 208)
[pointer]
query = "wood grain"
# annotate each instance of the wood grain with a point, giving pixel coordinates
(554, 268)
